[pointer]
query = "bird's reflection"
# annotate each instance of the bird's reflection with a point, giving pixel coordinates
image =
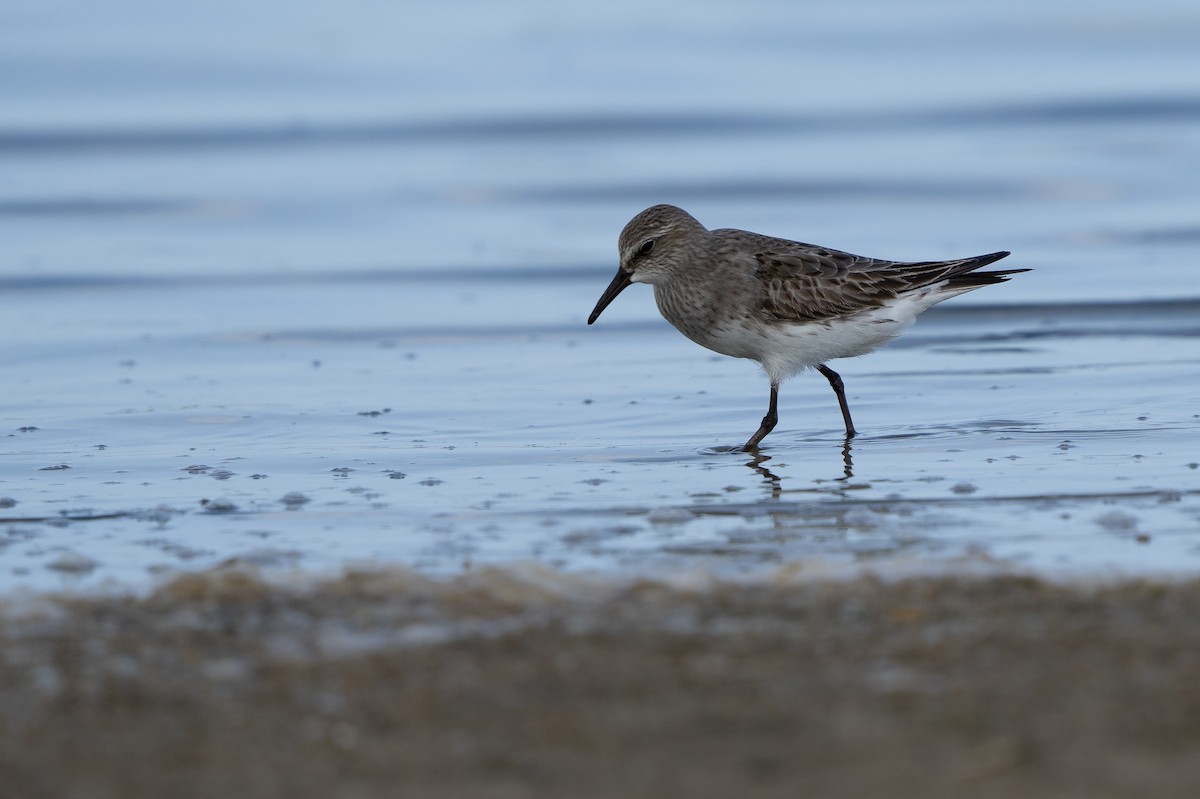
(757, 459)
(847, 460)
(758, 462)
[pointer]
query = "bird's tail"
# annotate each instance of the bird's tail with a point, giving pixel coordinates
(962, 275)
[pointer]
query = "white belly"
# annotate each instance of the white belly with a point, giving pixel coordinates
(784, 349)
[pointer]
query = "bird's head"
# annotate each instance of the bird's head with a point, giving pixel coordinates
(655, 245)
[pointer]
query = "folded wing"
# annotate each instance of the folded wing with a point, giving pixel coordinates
(805, 283)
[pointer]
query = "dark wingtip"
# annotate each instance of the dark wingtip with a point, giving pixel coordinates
(976, 279)
(990, 258)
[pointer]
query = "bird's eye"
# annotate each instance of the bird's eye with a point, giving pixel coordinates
(646, 248)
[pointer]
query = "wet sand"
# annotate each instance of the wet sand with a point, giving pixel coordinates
(515, 683)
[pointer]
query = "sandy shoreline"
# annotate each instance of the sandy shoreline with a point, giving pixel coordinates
(510, 684)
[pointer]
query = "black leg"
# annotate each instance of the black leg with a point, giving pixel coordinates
(839, 388)
(768, 423)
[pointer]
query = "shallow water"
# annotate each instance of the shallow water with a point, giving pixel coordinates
(318, 298)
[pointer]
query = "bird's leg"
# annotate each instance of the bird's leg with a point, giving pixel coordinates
(839, 388)
(768, 423)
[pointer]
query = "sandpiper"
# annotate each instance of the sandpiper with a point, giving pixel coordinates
(788, 305)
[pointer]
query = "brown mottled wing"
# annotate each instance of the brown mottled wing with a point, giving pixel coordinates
(804, 283)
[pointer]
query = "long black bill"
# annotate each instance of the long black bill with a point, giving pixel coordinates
(618, 284)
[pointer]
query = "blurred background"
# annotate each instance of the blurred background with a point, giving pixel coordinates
(266, 241)
(152, 139)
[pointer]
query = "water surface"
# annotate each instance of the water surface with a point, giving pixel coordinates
(318, 297)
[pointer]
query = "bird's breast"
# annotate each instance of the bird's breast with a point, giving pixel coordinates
(714, 322)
